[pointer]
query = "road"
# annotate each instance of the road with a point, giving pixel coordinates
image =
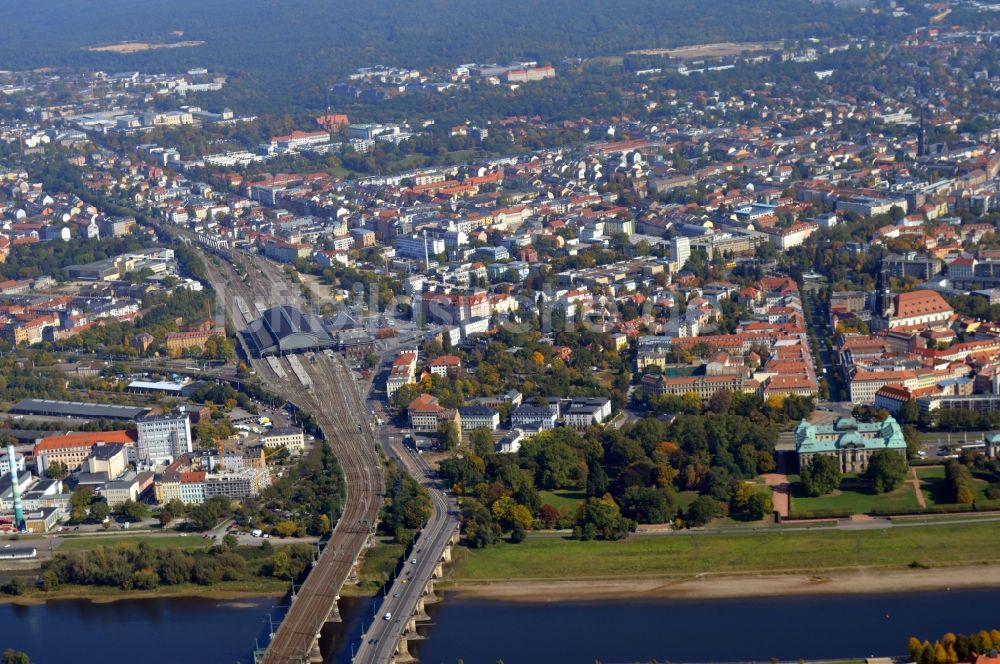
(378, 644)
(828, 359)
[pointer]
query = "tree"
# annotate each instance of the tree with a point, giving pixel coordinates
(145, 579)
(597, 480)
(886, 469)
(132, 511)
(702, 510)
(450, 436)
(822, 476)
(720, 401)
(56, 470)
(17, 585)
(11, 656)
(207, 572)
(558, 465)
(909, 413)
(912, 437)
(647, 505)
(281, 565)
(79, 503)
(50, 580)
(99, 511)
(601, 518)
(481, 441)
(285, 528)
(760, 505)
(478, 527)
(959, 481)
(209, 513)
(175, 567)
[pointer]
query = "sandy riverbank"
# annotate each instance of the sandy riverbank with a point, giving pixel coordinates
(844, 582)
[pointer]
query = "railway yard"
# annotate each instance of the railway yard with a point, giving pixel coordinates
(325, 387)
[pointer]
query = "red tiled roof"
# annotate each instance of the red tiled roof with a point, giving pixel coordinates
(85, 439)
(425, 403)
(920, 303)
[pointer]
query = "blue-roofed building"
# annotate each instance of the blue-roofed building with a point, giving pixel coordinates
(852, 442)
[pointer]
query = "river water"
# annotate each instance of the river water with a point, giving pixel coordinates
(718, 630)
(168, 631)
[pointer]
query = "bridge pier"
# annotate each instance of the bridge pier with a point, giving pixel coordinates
(429, 595)
(314, 656)
(403, 655)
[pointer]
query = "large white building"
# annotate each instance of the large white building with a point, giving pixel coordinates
(291, 438)
(680, 250)
(584, 411)
(163, 438)
(419, 247)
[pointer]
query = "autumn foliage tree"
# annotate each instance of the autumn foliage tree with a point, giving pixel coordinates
(959, 482)
(951, 648)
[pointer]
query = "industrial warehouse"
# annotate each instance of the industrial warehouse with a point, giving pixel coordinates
(77, 409)
(286, 329)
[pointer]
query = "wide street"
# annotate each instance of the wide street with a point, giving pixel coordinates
(400, 601)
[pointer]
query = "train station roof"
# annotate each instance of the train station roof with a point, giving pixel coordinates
(286, 329)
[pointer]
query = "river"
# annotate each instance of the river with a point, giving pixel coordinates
(717, 630)
(170, 630)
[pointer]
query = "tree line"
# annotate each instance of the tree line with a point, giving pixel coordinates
(953, 648)
(141, 566)
(626, 476)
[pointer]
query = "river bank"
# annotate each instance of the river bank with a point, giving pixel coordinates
(718, 586)
(104, 595)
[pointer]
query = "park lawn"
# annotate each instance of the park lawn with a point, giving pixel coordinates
(563, 500)
(935, 488)
(855, 499)
(770, 550)
(155, 541)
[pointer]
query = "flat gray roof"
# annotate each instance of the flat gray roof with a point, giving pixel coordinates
(96, 411)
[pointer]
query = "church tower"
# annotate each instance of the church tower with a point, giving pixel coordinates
(883, 295)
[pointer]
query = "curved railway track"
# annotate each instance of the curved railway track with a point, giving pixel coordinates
(334, 401)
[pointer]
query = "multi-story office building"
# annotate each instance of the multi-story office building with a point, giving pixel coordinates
(163, 438)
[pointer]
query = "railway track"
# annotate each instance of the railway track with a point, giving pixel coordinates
(324, 387)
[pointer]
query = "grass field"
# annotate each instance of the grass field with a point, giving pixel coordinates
(379, 562)
(767, 551)
(564, 500)
(157, 541)
(857, 498)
